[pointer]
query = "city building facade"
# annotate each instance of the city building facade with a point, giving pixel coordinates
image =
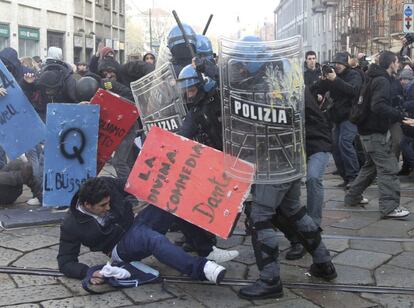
(329, 26)
(76, 26)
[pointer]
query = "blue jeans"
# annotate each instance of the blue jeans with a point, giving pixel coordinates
(407, 148)
(344, 153)
(146, 237)
(314, 185)
(3, 158)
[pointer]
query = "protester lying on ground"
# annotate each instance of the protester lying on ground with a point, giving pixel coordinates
(101, 218)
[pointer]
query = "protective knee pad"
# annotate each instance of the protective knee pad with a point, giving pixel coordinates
(261, 248)
(309, 239)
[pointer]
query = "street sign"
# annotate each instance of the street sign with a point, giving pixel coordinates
(70, 150)
(408, 26)
(188, 179)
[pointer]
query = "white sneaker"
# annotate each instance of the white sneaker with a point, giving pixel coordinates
(220, 255)
(33, 201)
(214, 272)
(399, 212)
(364, 201)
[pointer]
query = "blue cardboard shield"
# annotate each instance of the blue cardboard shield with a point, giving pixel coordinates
(70, 150)
(20, 126)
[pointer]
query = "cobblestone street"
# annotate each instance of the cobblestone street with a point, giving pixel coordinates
(367, 251)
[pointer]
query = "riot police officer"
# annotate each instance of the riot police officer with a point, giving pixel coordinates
(263, 101)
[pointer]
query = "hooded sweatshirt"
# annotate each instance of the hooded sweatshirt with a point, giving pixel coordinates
(11, 60)
(381, 113)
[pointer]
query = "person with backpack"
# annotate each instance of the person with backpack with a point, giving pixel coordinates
(374, 115)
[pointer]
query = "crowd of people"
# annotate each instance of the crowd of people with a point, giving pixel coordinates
(359, 112)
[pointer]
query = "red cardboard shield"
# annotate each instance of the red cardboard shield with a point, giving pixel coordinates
(187, 179)
(116, 118)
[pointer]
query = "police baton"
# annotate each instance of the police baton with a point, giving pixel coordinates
(180, 25)
(208, 24)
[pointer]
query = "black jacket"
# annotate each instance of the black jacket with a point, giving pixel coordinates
(312, 76)
(78, 228)
(344, 90)
(381, 114)
(318, 131)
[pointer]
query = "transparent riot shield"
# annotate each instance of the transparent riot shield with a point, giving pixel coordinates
(263, 108)
(159, 100)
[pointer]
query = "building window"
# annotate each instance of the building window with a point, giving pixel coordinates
(4, 36)
(28, 42)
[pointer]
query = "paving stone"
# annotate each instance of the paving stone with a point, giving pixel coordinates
(75, 286)
(394, 228)
(337, 231)
(287, 296)
(33, 294)
(300, 302)
(408, 246)
(337, 245)
(23, 306)
(246, 255)
(6, 282)
(391, 248)
(235, 270)
(93, 258)
(292, 273)
(42, 258)
(111, 299)
(53, 231)
(7, 256)
(353, 275)
(231, 242)
(33, 280)
(147, 293)
(182, 297)
(214, 296)
(391, 300)
(29, 243)
(182, 303)
(361, 258)
(354, 223)
(162, 268)
(334, 299)
(393, 276)
(404, 260)
(305, 261)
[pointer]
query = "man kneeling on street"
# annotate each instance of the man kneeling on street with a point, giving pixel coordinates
(101, 218)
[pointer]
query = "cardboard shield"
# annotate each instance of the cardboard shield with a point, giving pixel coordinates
(20, 126)
(117, 116)
(70, 150)
(188, 180)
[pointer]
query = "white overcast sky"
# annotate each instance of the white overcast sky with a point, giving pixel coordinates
(195, 12)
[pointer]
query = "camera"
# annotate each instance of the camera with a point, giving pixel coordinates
(410, 38)
(327, 69)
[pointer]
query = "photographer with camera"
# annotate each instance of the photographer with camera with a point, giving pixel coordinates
(344, 85)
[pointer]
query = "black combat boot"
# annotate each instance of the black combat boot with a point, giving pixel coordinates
(295, 252)
(263, 289)
(323, 270)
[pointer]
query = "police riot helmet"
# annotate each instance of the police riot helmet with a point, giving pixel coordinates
(188, 78)
(203, 46)
(254, 48)
(86, 88)
(175, 36)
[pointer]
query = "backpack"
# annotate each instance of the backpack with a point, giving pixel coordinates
(360, 108)
(140, 274)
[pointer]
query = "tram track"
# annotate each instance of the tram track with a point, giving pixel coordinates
(333, 287)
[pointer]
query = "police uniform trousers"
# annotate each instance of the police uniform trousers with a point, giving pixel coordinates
(279, 206)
